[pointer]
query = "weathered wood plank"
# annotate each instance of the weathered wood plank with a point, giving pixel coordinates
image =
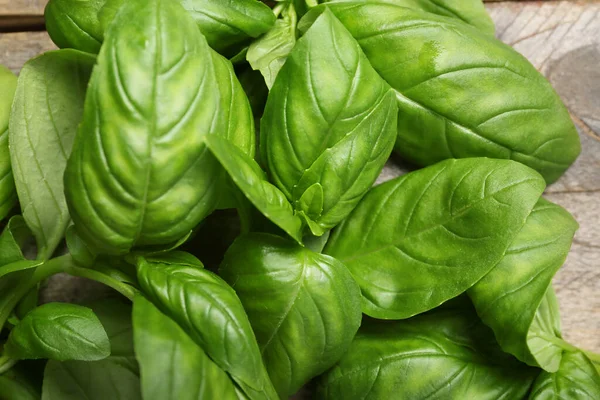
(17, 48)
(562, 40)
(22, 7)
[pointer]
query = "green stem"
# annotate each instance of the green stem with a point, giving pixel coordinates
(42, 272)
(6, 363)
(123, 288)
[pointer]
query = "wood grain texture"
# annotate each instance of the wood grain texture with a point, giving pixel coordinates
(22, 7)
(17, 48)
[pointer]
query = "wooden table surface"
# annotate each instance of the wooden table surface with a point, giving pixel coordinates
(562, 39)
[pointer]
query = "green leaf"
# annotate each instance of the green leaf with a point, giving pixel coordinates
(47, 109)
(58, 331)
(471, 12)
(8, 194)
(227, 25)
(209, 311)
(252, 181)
(576, 379)
(172, 366)
(140, 173)
(268, 53)
(461, 93)
(515, 299)
(115, 377)
(330, 120)
(428, 236)
(304, 307)
(74, 24)
(443, 354)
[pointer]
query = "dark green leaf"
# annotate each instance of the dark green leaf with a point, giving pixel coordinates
(252, 181)
(515, 299)
(16, 385)
(268, 53)
(74, 24)
(172, 366)
(140, 173)
(304, 307)
(428, 236)
(461, 93)
(48, 108)
(576, 379)
(329, 125)
(58, 331)
(209, 311)
(115, 378)
(443, 354)
(8, 194)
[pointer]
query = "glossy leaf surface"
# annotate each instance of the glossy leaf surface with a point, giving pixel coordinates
(515, 299)
(329, 125)
(8, 194)
(74, 24)
(304, 307)
(209, 311)
(254, 184)
(576, 379)
(426, 237)
(471, 12)
(140, 173)
(172, 366)
(59, 331)
(461, 93)
(48, 108)
(444, 354)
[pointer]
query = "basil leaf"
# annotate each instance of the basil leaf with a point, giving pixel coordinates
(471, 12)
(16, 385)
(253, 183)
(172, 366)
(8, 195)
(227, 25)
(268, 53)
(115, 377)
(47, 109)
(443, 354)
(576, 379)
(426, 237)
(140, 163)
(461, 93)
(287, 289)
(58, 331)
(514, 298)
(325, 144)
(74, 24)
(209, 311)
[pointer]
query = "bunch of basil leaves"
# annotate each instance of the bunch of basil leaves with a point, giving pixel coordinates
(249, 136)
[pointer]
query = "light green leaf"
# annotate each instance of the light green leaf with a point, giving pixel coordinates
(140, 173)
(576, 379)
(209, 312)
(443, 354)
(460, 93)
(304, 307)
(515, 299)
(253, 183)
(8, 194)
(428, 236)
(58, 331)
(268, 53)
(172, 366)
(47, 109)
